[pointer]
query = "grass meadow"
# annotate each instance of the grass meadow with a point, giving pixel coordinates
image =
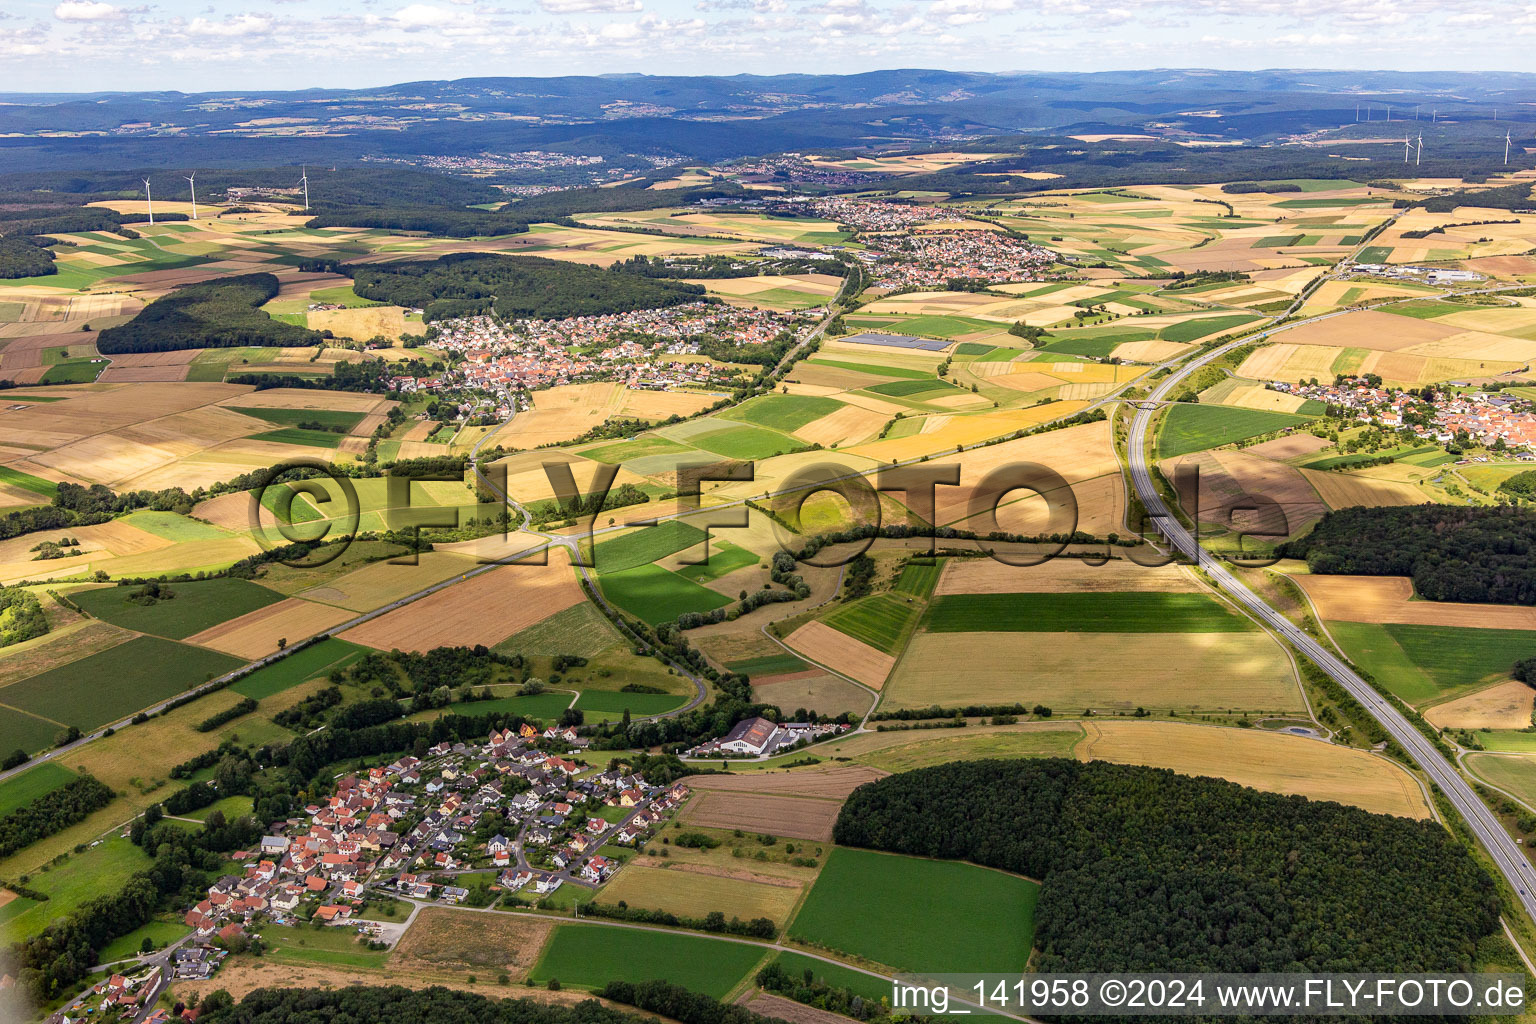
(590, 956)
(1189, 427)
(195, 606)
(916, 914)
(1124, 612)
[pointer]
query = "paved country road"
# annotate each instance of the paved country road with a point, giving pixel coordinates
(1508, 856)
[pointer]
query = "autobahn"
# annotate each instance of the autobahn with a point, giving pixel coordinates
(1509, 858)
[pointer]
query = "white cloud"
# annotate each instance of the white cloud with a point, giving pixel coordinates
(424, 16)
(590, 6)
(87, 10)
(239, 25)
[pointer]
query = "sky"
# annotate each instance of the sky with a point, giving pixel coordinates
(89, 45)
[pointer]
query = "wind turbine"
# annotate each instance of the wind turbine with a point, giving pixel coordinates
(151, 201)
(1419, 154)
(1389, 111)
(1406, 143)
(192, 180)
(305, 182)
(1506, 146)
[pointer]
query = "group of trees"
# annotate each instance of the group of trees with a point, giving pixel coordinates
(409, 674)
(1451, 553)
(21, 616)
(52, 812)
(469, 284)
(1144, 869)
(78, 505)
(223, 313)
(21, 257)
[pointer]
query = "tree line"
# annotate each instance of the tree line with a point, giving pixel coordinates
(1144, 869)
(1483, 555)
(469, 284)
(52, 812)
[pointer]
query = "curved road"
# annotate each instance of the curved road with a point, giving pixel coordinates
(1508, 856)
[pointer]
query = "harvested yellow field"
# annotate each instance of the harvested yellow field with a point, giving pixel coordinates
(1506, 705)
(1289, 362)
(1372, 329)
(1341, 490)
(379, 583)
(690, 890)
(1060, 575)
(1255, 396)
(1493, 320)
(561, 414)
(659, 405)
(485, 609)
(362, 323)
(1271, 761)
(840, 652)
(259, 633)
(848, 425)
(1103, 671)
(527, 480)
(303, 398)
(966, 430)
(1391, 599)
(1479, 345)
(112, 538)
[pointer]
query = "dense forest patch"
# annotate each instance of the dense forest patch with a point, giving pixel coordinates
(1485, 555)
(20, 257)
(469, 284)
(210, 314)
(1144, 869)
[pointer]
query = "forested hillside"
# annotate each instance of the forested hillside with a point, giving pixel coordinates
(22, 258)
(1144, 869)
(466, 284)
(1452, 554)
(210, 314)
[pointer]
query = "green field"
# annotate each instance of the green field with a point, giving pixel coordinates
(163, 933)
(919, 578)
(747, 443)
(1420, 663)
(590, 956)
(656, 595)
(173, 527)
(20, 790)
(644, 545)
(342, 295)
(787, 413)
(301, 437)
(74, 371)
(315, 660)
(1188, 427)
(293, 417)
(335, 946)
(884, 621)
(1427, 309)
(27, 482)
(877, 369)
(860, 984)
(1191, 330)
(913, 388)
(768, 665)
(115, 683)
(581, 629)
(546, 707)
(641, 448)
(25, 732)
(724, 558)
(916, 914)
(1126, 612)
(83, 876)
(195, 606)
(611, 703)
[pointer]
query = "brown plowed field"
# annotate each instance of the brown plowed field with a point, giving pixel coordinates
(841, 653)
(257, 633)
(833, 782)
(794, 817)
